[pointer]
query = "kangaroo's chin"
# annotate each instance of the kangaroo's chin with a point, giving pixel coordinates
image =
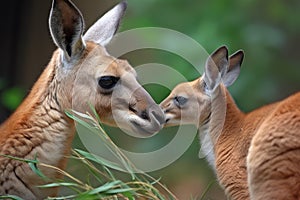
(144, 127)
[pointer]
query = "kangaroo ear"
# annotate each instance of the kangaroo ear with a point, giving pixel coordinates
(104, 29)
(235, 62)
(66, 27)
(216, 66)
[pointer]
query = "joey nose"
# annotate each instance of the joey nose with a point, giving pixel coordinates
(165, 106)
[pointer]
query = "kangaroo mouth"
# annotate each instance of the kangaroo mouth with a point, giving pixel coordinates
(140, 130)
(146, 127)
(169, 119)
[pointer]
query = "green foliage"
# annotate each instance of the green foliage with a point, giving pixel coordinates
(12, 197)
(266, 31)
(100, 184)
(11, 97)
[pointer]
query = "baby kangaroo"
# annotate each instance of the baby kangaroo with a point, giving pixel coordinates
(257, 151)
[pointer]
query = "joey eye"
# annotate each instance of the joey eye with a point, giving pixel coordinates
(180, 100)
(108, 82)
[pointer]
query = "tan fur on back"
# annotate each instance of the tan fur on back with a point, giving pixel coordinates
(232, 147)
(274, 154)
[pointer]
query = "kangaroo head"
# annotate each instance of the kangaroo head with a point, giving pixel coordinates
(190, 102)
(87, 74)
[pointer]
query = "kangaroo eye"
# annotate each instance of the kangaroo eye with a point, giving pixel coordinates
(108, 82)
(180, 100)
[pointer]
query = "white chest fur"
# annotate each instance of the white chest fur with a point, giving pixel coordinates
(207, 149)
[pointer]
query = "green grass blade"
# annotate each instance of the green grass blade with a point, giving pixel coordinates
(105, 187)
(36, 170)
(207, 189)
(99, 160)
(62, 198)
(12, 197)
(120, 190)
(20, 159)
(65, 184)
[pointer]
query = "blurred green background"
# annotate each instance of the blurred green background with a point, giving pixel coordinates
(268, 32)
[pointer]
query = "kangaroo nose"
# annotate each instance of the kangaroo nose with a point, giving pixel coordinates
(153, 110)
(157, 112)
(142, 104)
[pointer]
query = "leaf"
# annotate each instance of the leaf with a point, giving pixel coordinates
(156, 181)
(120, 190)
(129, 195)
(105, 187)
(95, 113)
(36, 170)
(207, 189)
(86, 196)
(85, 116)
(62, 198)
(99, 160)
(20, 159)
(80, 121)
(13, 197)
(65, 184)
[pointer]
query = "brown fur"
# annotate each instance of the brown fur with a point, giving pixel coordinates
(273, 158)
(40, 127)
(36, 125)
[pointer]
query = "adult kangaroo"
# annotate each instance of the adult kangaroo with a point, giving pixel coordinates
(81, 72)
(257, 151)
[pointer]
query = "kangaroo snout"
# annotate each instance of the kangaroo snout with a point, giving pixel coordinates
(146, 116)
(158, 113)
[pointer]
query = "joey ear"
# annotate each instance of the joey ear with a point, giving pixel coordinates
(235, 62)
(104, 29)
(66, 27)
(215, 67)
